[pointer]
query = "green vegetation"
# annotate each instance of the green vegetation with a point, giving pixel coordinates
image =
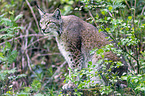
(30, 64)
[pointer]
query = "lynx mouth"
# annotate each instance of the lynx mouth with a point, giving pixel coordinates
(45, 32)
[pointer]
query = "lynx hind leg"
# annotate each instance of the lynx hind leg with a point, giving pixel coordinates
(111, 56)
(75, 64)
(69, 85)
(96, 79)
(98, 67)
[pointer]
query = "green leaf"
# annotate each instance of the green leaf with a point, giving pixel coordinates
(21, 75)
(6, 21)
(93, 51)
(36, 85)
(12, 71)
(2, 15)
(5, 36)
(100, 30)
(110, 8)
(124, 77)
(23, 94)
(100, 51)
(103, 12)
(99, 61)
(1, 55)
(108, 29)
(12, 56)
(4, 29)
(18, 17)
(143, 89)
(39, 94)
(140, 88)
(129, 17)
(102, 56)
(8, 45)
(67, 9)
(71, 2)
(90, 62)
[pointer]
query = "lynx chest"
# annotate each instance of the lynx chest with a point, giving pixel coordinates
(63, 48)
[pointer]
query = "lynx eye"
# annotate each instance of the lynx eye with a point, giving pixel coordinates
(48, 22)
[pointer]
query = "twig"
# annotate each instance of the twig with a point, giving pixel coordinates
(28, 59)
(143, 10)
(27, 33)
(36, 41)
(134, 10)
(127, 4)
(138, 64)
(33, 14)
(57, 71)
(25, 47)
(141, 14)
(110, 13)
(93, 18)
(37, 35)
(50, 54)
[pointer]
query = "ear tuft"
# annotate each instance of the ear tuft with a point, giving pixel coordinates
(33, 3)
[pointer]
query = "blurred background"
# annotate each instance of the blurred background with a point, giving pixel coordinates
(31, 64)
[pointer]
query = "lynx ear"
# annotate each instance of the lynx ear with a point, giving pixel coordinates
(34, 3)
(57, 14)
(41, 12)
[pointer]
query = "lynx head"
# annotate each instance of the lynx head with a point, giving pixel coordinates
(51, 23)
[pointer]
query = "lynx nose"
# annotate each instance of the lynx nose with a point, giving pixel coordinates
(43, 30)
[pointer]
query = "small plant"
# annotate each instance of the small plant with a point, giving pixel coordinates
(120, 21)
(7, 54)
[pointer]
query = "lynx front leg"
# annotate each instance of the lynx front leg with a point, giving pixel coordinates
(72, 54)
(75, 65)
(70, 84)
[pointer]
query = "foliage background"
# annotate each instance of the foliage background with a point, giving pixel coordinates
(31, 64)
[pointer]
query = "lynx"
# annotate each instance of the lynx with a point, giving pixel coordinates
(75, 39)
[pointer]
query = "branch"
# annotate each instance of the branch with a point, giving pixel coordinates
(127, 4)
(37, 35)
(143, 10)
(56, 72)
(36, 41)
(33, 14)
(93, 18)
(29, 65)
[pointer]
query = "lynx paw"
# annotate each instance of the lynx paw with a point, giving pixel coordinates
(69, 85)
